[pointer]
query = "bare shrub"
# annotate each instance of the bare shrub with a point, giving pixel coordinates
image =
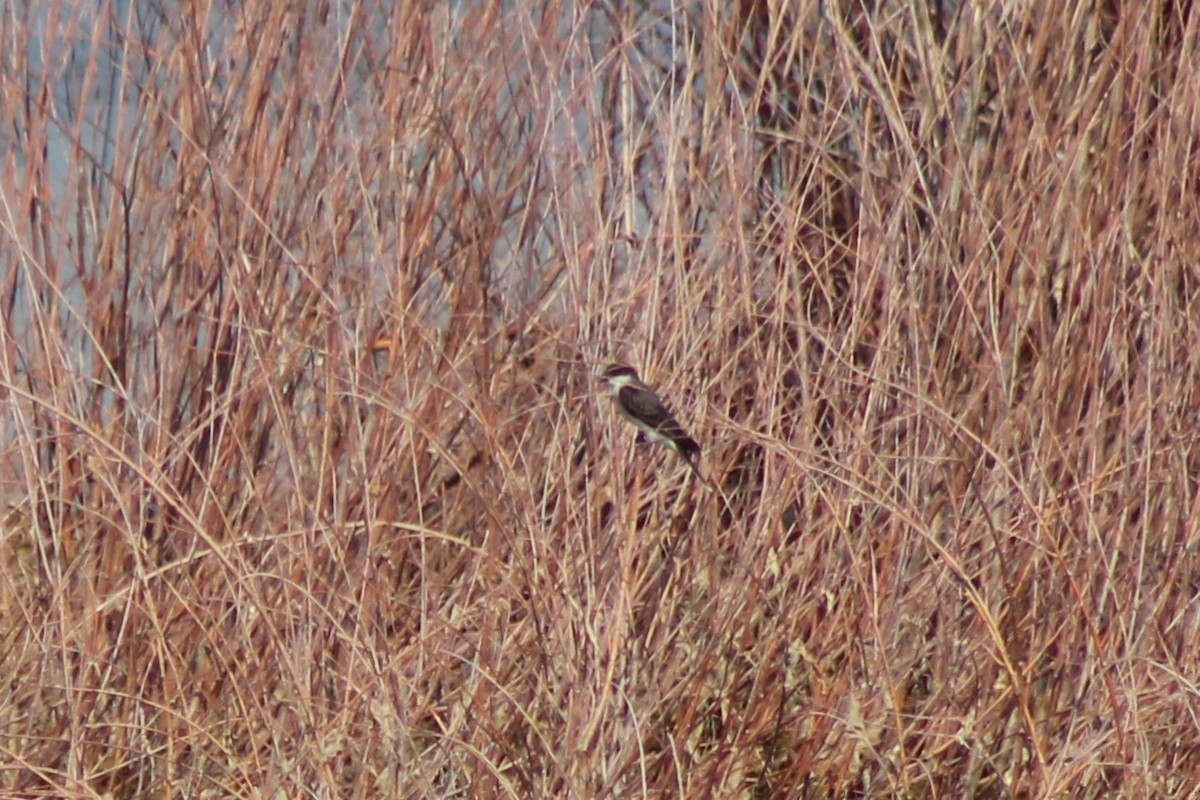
(309, 491)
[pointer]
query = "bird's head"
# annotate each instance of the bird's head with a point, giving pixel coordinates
(618, 376)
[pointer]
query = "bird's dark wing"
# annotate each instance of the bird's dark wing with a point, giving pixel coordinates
(646, 407)
(649, 409)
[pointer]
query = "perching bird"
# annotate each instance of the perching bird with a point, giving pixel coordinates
(638, 403)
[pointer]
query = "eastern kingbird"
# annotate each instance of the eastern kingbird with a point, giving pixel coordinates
(638, 403)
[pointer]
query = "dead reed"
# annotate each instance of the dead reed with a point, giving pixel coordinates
(309, 492)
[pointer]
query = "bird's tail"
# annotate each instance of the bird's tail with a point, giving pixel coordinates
(689, 451)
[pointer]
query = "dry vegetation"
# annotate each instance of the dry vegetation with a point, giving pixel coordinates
(308, 490)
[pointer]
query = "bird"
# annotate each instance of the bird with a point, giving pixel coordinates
(639, 404)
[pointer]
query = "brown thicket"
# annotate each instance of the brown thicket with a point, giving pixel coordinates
(309, 492)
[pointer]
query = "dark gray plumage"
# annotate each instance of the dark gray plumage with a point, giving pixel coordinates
(638, 403)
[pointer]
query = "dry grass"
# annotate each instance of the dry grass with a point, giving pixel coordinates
(310, 492)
